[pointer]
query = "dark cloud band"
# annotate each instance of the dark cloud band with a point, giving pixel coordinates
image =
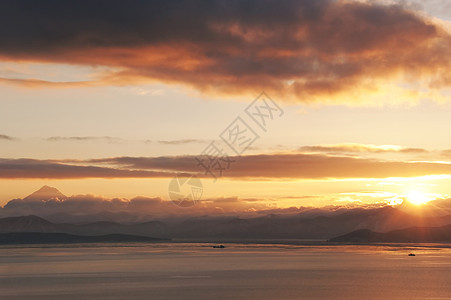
(294, 49)
(250, 167)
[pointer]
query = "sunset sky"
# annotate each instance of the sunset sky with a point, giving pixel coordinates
(113, 99)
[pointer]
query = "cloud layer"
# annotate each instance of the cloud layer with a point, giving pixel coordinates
(130, 209)
(249, 167)
(85, 208)
(33, 168)
(294, 49)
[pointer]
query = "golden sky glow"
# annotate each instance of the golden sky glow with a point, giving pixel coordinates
(116, 111)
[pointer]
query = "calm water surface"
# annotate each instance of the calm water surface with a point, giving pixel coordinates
(197, 271)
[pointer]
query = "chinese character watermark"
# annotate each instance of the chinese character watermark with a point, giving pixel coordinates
(213, 160)
(239, 136)
(262, 110)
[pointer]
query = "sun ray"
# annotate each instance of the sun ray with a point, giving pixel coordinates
(417, 197)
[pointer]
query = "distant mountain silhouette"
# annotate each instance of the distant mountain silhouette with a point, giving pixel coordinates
(300, 226)
(222, 227)
(152, 229)
(409, 235)
(59, 238)
(45, 193)
(32, 223)
(32, 204)
(27, 224)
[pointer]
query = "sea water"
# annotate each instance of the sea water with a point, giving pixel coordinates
(239, 271)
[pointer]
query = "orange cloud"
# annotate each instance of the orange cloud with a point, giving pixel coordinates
(298, 50)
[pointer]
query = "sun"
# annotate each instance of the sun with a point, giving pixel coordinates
(417, 197)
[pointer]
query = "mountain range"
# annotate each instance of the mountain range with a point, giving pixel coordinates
(408, 235)
(308, 224)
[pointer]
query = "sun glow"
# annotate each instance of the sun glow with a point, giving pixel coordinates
(417, 197)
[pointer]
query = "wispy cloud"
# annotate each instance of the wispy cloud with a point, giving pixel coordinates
(84, 138)
(182, 142)
(360, 148)
(37, 83)
(298, 50)
(8, 138)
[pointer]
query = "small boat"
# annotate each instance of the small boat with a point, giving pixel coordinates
(219, 246)
(411, 254)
